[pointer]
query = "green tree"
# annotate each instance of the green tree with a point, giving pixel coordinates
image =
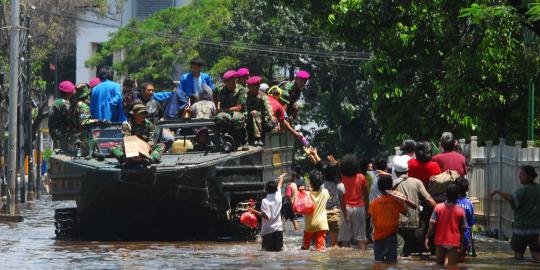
(267, 37)
(434, 69)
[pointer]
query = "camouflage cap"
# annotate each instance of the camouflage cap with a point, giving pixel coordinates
(138, 108)
(82, 91)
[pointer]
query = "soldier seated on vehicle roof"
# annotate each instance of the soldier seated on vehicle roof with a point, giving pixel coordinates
(141, 127)
(204, 108)
(231, 107)
(260, 117)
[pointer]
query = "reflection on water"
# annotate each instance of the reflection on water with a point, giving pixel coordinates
(31, 245)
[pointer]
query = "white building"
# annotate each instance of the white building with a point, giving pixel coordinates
(93, 30)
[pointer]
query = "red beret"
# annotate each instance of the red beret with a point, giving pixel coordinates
(254, 80)
(93, 82)
(302, 74)
(242, 72)
(66, 87)
(229, 74)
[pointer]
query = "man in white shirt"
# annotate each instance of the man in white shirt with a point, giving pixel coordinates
(272, 227)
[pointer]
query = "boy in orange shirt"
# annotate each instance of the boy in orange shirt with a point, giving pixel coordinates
(385, 212)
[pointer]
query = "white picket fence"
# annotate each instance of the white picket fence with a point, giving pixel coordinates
(496, 167)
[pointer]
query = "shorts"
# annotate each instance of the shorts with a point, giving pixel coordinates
(273, 241)
(385, 249)
(520, 242)
(333, 222)
(355, 228)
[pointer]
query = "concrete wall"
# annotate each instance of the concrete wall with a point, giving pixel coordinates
(89, 34)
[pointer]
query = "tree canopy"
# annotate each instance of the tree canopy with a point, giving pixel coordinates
(442, 65)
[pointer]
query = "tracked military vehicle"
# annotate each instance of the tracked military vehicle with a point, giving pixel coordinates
(189, 195)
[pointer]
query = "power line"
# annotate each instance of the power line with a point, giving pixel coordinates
(342, 55)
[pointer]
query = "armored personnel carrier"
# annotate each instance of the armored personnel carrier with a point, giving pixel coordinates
(188, 195)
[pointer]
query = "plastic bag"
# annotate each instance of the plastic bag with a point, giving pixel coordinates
(249, 219)
(303, 204)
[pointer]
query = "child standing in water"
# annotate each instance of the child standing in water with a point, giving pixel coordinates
(526, 204)
(467, 206)
(448, 221)
(272, 226)
(384, 212)
(316, 225)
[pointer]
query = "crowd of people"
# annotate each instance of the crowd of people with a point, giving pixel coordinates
(355, 203)
(240, 104)
(358, 203)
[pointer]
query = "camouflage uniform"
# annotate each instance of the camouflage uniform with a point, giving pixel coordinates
(80, 117)
(232, 122)
(259, 115)
(61, 123)
(145, 131)
(294, 96)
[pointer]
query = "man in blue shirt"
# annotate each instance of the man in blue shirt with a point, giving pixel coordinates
(106, 100)
(191, 83)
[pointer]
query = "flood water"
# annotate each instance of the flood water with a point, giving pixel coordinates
(31, 245)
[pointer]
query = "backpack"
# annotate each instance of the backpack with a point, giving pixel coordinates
(438, 183)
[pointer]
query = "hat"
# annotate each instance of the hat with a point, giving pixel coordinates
(401, 163)
(82, 91)
(254, 80)
(242, 72)
(284, 96)
(264, 87)
(302, 74)
(66, 87)
(93, 82)
(278, 93)
(206, 93)
(138, 108)
(229, 75)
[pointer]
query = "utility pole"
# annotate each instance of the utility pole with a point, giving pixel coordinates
(13, 101)
(28, 112)
(531, 100)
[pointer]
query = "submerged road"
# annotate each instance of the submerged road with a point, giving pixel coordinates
(31, 245)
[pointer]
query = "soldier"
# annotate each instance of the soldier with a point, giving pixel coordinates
(295, 91)
(242, 75)
(231, 107)
(141, 127)
(60, 120)
(259, 112)
(81, 115)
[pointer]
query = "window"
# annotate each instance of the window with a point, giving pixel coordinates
(146, 7)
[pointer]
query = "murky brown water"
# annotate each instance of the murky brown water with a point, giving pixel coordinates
(31, 245)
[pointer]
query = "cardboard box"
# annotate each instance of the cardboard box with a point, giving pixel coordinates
(136, 147)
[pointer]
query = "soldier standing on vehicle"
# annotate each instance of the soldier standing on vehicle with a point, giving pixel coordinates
(295, 91)
(141, 127)
(60, 125)
(81, 115)
(259, 112)
(231, 107)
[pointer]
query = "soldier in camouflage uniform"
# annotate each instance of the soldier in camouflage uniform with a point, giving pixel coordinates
(260, 117)
(61, 126)
(141, 127)
(82, 117)
(231, 105)
(295, 91)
